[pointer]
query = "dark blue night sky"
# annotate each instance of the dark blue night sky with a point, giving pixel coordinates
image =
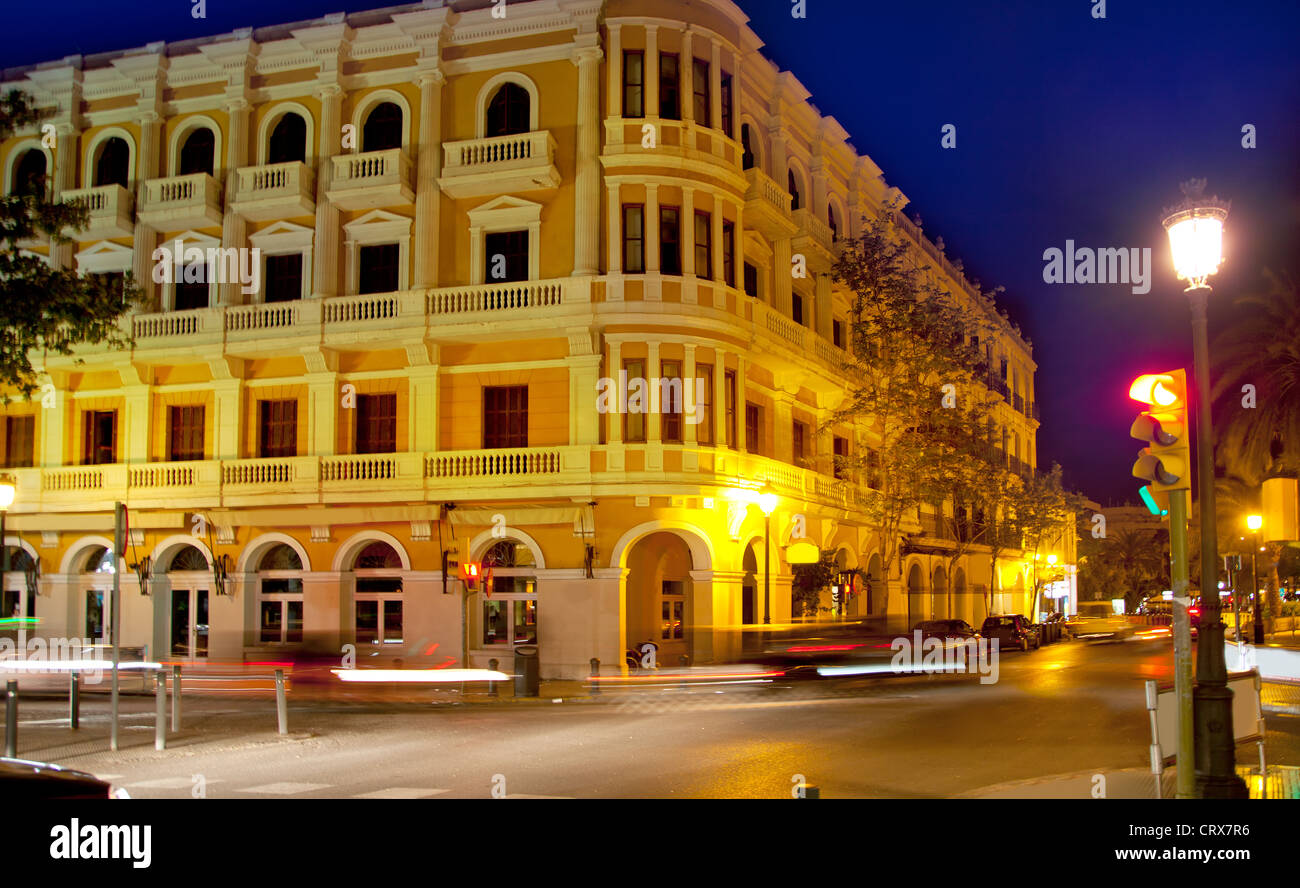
(1068, 127)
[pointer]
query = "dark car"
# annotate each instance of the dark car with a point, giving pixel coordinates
(27, 781)
(1011, 630)
(945, 629)
(802, 649)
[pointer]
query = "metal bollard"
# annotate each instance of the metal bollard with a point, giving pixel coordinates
(493, 664)
(281, 707)
(176, 697)
(160, 712)
(11, 719)
(810, 791)
(595, 676)
(74, 700)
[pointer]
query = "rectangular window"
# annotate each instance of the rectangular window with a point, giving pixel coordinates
(729, 393)
(634, 419)
(670, 102)
(727, 110)
(753, 427)
(841, 453)
(506, 256)
(100, 437)
(796, 308)
(277, 428)
(376, 430)
(377, 266)
(837, 333)
(704, 245)
(185, 438)
(729, 253)
(800, 439)
(633, 238)
(190, 295)
(704, 403)
(283, 278)
(633, 83)
(751, 280)
(670, 240)
(670, 400)
(505, 416)
(20, 437)
(700, 88)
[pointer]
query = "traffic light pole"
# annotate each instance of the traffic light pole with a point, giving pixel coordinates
(1216, 752)
(1182, 643)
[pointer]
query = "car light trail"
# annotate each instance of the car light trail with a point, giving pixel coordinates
(426, 676)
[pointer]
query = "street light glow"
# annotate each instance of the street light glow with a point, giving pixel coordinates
(767, 503)
(1195, 230)
(6, 493)
(1254, 522)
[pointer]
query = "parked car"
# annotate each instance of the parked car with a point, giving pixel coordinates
(27, 781)
(945, 629)
(1011, 630)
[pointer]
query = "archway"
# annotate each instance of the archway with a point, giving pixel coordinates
(112, 166)
(915, 591)
(288, 141)
(749, 586)
(509, 111)
(189, 576)
(873, 592)
(377, 596)
(659, 595)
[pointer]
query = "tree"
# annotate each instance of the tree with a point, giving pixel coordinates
(1139, 565)
(1259, 427)
(914, 372)
(44, 309)
(1042, 512)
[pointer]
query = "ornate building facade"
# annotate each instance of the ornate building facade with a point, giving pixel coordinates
(463, 223)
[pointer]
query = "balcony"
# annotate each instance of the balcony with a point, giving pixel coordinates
(767, 206)
(814, 240)
(499, 165)
(110, 210)
(180, 202)
(371, 179)
(275, 191)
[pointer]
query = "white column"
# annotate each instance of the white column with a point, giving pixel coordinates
(689, 429)
(228, 420)
(137, 403)
(719, 397)
(323, 410)
(687, 79)
(715, 221)
(822, 315)
(586, 198)
(651, 228)
(653, 434)
(234, 230)
(740, 403)
(144, 238)
(739, 247)
(784, 283)
(688, 231)
(615, 66)
(614, 431)
(615, 228)
(422, 420)
(325, 273)
(715, 92)
(65, 178)
(428, 197)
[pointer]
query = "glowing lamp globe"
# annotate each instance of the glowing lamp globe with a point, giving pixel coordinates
(1195, 230)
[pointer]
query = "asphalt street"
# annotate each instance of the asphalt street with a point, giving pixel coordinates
(1067, 708)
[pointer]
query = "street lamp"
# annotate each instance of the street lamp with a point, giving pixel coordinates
(1255, 522)
(767, 504)
(1195, 230)
(6, 500)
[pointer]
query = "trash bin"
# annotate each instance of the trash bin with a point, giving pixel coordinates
(527, 673)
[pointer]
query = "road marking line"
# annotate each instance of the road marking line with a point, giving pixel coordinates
(522, 795)
(164, 783)
(401, 792)
(285, 788)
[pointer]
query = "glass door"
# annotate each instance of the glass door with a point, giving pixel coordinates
(189, 628)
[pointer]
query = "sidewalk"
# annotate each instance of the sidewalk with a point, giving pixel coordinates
(1131, 783)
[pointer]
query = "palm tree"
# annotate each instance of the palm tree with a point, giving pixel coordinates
(1139, 560)
(1260, 348)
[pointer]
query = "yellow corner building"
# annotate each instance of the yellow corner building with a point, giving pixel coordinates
(463, 224)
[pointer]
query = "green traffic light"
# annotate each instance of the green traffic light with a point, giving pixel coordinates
(1149, 501)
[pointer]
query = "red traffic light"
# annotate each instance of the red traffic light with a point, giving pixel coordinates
(469, 572)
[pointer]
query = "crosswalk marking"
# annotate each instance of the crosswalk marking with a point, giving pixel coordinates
(286, 788)
(401, 792)
(164, 783)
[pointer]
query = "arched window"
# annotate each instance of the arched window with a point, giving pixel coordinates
(280, 587)
(793, 188)
(188, 558)
(29, 174)
(99, 559)
(508, 112)
(198, 152)
(510, 614)
(833, 223)
(288, 142)
(383, 128)
(113, 164)
(378, 598)
(747, 158)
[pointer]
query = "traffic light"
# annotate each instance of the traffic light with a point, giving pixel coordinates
(469, 572)
(1166, 461)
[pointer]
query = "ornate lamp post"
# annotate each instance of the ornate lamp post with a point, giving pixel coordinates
(1195, 230)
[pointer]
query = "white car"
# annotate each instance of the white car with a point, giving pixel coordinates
(1097, 620)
